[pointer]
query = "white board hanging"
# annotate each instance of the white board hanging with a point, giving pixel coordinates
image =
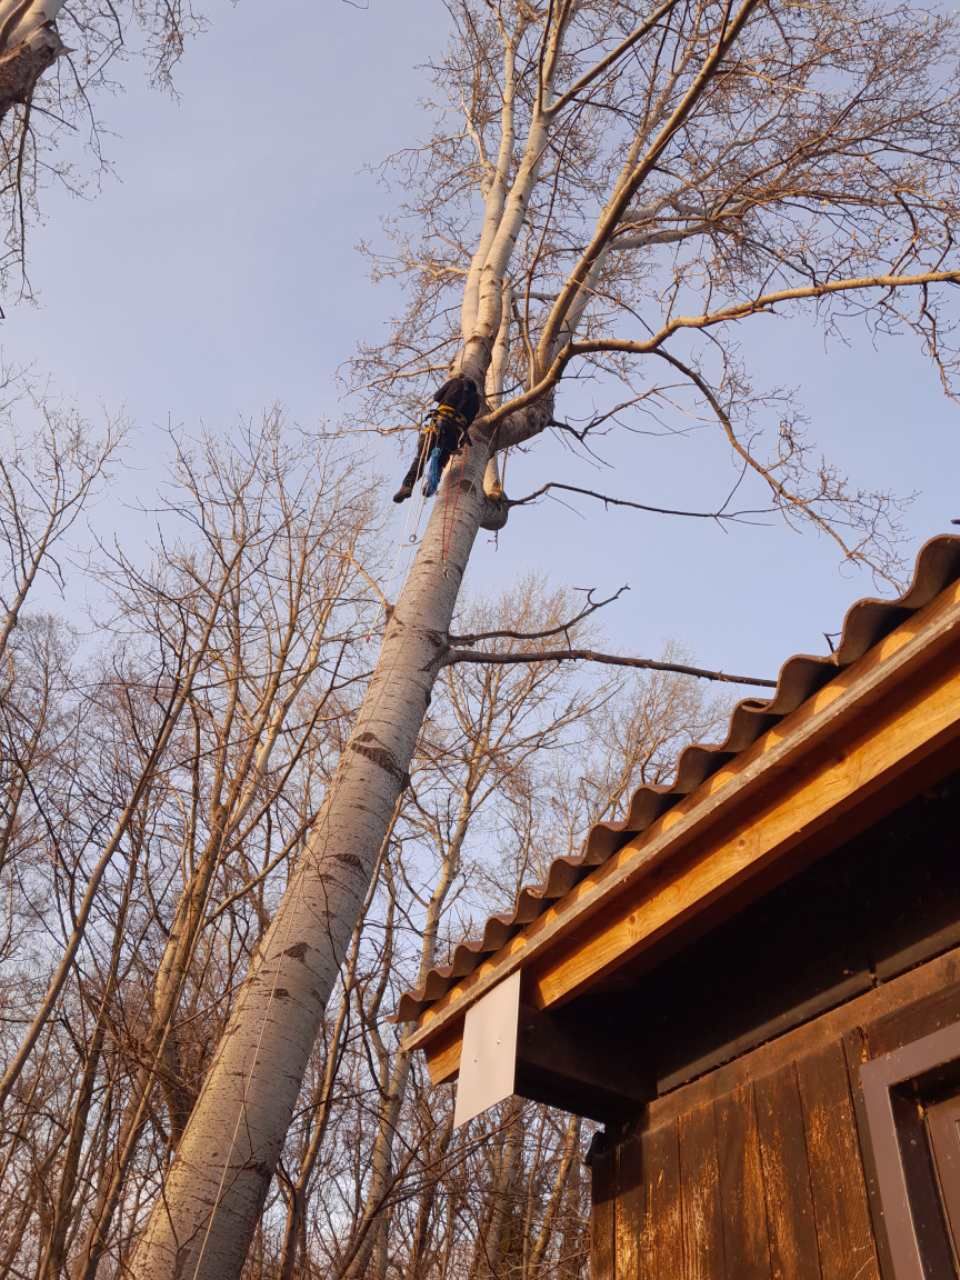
(488, 1059)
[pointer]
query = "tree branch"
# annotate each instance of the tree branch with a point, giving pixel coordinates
(605, 63)
(610, 659)
(562, 629)
(607, 501)
(786, 498)
(617, 206)
(763, 303)
(738, 311)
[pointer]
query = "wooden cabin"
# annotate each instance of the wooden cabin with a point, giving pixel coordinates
(753, 982)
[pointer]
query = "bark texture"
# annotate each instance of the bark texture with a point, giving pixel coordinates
(29, 44)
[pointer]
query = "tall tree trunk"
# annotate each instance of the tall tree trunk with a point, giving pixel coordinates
(567, 1165)
(496, 1232)
(53, 1261)
(371, 1230)
(201, 1226)
(418, 1264)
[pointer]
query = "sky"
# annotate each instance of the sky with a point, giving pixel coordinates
(216, 274)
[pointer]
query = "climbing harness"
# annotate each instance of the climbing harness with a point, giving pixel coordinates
(452, 415)
(441, 419)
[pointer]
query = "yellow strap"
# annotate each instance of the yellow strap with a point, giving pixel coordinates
(448, 411)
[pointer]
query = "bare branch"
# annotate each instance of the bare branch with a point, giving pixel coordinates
(613, 56)
(564, 627)
(719, 515)
(739, 311)
(610, 659)
(764, 304)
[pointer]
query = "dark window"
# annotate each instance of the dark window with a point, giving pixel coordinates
(943, 1129)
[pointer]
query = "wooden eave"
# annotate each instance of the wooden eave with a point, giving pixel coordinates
(879, 731)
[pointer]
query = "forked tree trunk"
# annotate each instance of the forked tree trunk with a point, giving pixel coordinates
(202, 1224)
(29, 44)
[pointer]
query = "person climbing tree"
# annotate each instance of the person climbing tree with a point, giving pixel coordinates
(445, 432)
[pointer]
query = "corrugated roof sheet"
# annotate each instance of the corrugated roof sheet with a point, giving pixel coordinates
(866, 623)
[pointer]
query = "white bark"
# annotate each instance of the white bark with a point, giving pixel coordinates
(29, 45)
(511, 213)
(493, 389)
(495, 195)
(29, 22)
(201, 1226)
(487, 324)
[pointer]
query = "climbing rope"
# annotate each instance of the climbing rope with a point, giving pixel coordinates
(413, 517)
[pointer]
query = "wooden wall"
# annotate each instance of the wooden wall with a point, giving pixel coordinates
(869, 911)
(760, 1169)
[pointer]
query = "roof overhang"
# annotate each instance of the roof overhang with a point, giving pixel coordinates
(883, 728)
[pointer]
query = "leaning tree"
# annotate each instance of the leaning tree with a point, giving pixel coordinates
(618, 188)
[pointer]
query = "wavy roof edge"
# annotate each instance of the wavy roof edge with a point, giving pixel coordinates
(866, 623)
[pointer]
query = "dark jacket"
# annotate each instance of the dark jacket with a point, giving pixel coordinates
(461, 394)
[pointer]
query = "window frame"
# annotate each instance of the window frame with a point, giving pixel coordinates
(913, 1212)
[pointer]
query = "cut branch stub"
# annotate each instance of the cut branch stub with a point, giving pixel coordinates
(494, 514)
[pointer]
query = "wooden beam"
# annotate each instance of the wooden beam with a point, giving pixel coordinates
(443, 1054)
(779, 758)
(849, 779)
(590, 1071)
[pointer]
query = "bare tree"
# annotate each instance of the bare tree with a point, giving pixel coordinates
(391, 1190)
(154, 782)
(651, 180)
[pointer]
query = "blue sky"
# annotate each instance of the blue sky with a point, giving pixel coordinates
(216, 275)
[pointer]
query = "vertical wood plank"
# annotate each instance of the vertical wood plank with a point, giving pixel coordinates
(746, 1245)
(794, 1254)
(855, 1052)
(844, 1232)
(603, 1190)
(700, 1197)
(660, 1251)
(631, 1208)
